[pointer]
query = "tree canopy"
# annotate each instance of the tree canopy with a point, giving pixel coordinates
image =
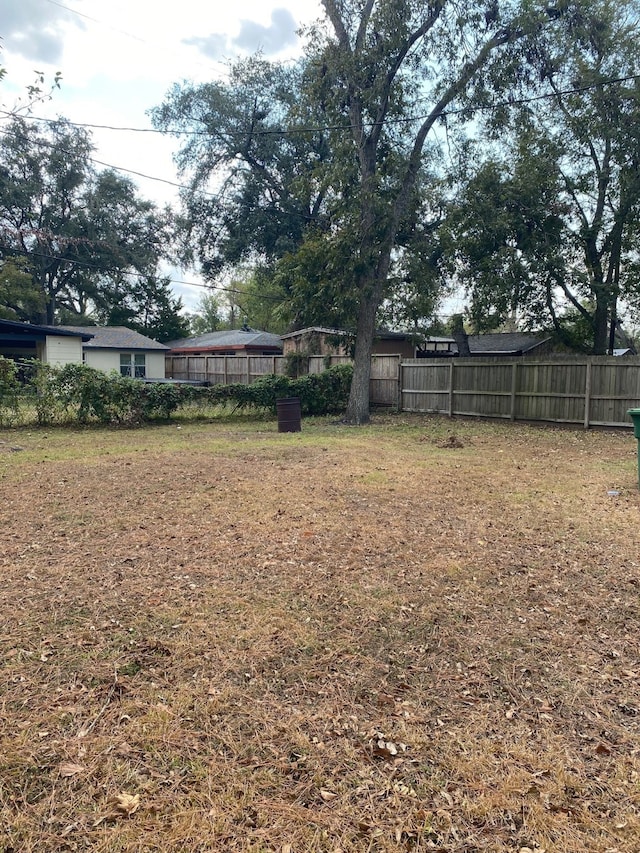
(84, 238)
(330, 169)
(548, 226)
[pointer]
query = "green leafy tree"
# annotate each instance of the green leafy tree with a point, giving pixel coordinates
(347, 134)
(146, 305)
(20, 298)
(503, 238)
(560, 207)
(252, 190)
(79, 232)
(207, 317)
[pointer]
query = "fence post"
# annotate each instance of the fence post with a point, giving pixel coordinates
(587, 395)
(451, 386)
(247, 374)
(514, 389)
(225, 372)
(399, 389)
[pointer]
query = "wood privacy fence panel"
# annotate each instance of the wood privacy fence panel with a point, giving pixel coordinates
(318, 363)
(384, 386)
(589, 391)
(222, 369)
(225, 369)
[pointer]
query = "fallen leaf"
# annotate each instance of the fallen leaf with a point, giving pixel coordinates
(69, 769)
(126, 804)
(326, 795)
(603, 749)
(385, 749)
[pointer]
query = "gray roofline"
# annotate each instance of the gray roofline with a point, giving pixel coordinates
(45, 329)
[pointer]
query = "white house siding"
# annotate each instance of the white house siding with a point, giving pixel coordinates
(62, 350)
(108, 360)
(155, 365)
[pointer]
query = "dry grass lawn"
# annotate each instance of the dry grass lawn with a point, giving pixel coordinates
(219, 638)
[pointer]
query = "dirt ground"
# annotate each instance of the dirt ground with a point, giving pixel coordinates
(420, 635)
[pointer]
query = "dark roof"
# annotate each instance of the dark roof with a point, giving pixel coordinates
(16, 327)
(116, 337)
(232, 339)
(504, 343)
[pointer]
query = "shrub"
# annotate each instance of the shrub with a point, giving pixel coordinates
(79, 393)
(9, 392)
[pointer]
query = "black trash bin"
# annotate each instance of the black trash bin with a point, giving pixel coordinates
(289, 416)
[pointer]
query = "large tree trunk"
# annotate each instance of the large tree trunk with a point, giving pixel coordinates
(358, 405)
(601, 323)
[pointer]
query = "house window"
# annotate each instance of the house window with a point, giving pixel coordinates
(133, 365)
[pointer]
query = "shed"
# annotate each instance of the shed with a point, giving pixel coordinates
(320, 340)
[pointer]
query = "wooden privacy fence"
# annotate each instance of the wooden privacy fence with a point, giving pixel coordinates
(227, 369)
(594, 391)
(222, 369)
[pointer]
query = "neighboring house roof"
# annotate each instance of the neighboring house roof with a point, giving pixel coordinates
(17, 329)
(504, 343)
(439, 339)
(229, 340)
(380, 334)
(314, 330)
(116, 337)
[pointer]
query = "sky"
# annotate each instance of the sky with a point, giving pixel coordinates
(118, 60)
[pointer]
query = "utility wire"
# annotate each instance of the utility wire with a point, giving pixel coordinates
(139, 275)
(510, 102)
(45, 144)
(124, 32)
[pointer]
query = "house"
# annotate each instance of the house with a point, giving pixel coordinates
(506, 344)
(243, 341)
(509, 344)
(51, 344)
(319, 340)
(123, 350)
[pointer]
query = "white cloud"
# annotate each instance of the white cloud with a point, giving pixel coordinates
(35, 29)
(270, 39)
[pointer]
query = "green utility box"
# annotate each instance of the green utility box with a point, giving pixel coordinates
(634, 414)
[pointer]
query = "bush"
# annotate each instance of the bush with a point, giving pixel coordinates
(85, 395)
(10, 388)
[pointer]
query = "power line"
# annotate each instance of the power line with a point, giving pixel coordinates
(95, 20)
(510, 102)
(132, 274)
(210, 195)
(119, 30)
(44, 143)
